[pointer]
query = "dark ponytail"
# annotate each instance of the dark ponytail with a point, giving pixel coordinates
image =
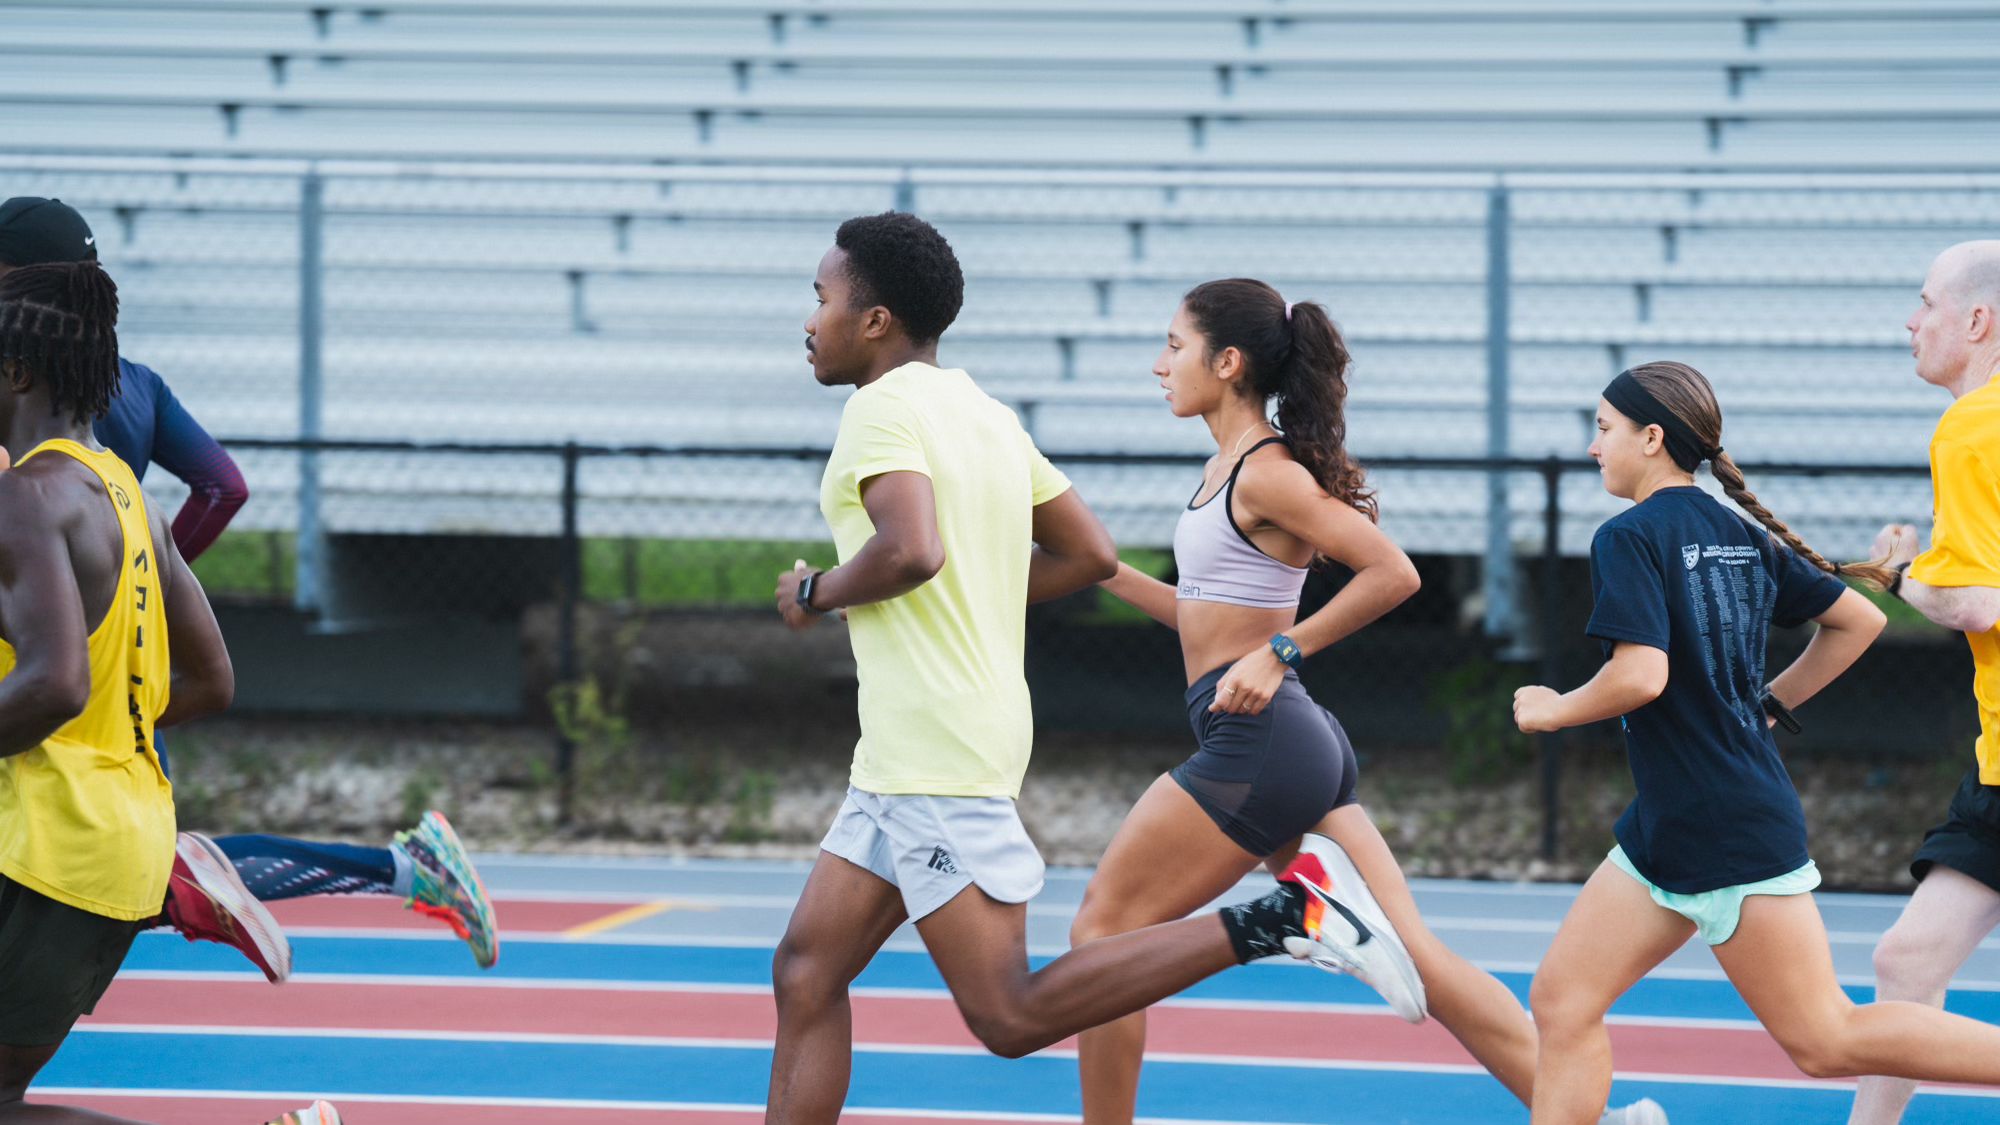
(59, 327)
(1687, 394)
(1293, 354)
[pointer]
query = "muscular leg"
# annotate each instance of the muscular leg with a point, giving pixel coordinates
(18, 1067)
(1165, 831)
(1781, 964)
(844, 915)
(1614, 934)
(1471, 1003)
(1945, 920)
(980, 946)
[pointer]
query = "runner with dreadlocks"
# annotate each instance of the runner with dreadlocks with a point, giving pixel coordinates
(426, 865)
(104, 635)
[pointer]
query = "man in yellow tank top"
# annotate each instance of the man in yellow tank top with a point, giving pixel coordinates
(104, 635)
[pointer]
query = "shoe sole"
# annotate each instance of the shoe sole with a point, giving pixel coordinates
(461, 868)
(216, 876)
(1391, 963)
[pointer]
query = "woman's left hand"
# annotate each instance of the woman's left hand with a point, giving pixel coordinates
(1247, 688)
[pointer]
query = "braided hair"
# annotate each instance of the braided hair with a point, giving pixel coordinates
(1687, 393)
(59, 328)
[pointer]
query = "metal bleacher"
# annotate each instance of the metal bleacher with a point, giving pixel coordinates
(1703, 180)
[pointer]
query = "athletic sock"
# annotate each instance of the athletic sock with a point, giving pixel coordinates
(279, 867)
(406, 871)
(1258, 928)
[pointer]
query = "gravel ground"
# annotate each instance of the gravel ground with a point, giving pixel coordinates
(770, 790)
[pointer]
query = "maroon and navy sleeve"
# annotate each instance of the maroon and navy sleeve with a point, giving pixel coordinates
(216, 488)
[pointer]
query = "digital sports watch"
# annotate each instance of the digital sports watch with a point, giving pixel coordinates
(805, 592)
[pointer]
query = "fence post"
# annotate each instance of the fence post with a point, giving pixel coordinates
(310, 568)
(1550, 744)
(1498, 573)
(570, 571)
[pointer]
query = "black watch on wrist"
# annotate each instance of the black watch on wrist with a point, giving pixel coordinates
(805, 593)
(1780, 712)
(1896, 584)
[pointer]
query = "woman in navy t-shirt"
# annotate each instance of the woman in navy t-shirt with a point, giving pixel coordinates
(1714, 842)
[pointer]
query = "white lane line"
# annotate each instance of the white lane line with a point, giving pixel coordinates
(585, 1103)
(914, 945)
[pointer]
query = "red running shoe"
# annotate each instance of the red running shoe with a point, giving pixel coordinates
(207, 901)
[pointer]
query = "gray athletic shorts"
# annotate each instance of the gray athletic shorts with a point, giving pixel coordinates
(931, 848)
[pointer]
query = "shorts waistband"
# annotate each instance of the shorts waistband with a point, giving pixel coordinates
(1204, 687)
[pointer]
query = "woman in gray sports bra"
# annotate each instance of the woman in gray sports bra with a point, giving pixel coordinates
(1273, 775)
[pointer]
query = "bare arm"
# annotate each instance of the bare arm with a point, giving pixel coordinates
(904, 553)
(1146, 594)
(1635, 675)
(1968, 609)
(1284, 493)
(204, 679)
(1845, 631)
(1072, 549)
(42, 618)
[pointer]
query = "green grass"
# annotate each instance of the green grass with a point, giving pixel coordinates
(646, 572)
(650, 573)
(692, 572)
(249, 564)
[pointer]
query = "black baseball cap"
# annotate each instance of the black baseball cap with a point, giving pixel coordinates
(35, 231)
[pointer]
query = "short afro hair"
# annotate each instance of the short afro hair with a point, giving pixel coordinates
(902, 263)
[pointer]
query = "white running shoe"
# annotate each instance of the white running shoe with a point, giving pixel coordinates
(1645, 1111)
(1346, 930)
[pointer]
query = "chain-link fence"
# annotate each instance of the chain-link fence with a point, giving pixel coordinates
(509, 579)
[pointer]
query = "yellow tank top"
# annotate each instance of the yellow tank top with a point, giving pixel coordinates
(87, 817)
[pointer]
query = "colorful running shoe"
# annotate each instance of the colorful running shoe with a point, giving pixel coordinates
(207, 901)
(1346, 930)
(320, 1112)
(444, 886)
(1645, 1111)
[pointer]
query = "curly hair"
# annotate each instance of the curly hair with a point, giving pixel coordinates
(59, 327)
(1294, 354)
(902, 263)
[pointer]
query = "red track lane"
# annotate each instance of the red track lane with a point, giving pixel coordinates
(379, 912)
(1224, 1032)
(248, 1111)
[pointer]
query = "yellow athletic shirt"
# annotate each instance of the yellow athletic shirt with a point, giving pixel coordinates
(943, 697)
(1965, 540)
(87, 817)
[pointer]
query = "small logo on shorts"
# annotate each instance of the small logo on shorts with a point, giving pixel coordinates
(941, 861)
(1691, 554)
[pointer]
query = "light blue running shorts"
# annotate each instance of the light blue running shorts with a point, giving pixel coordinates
(1716, 913)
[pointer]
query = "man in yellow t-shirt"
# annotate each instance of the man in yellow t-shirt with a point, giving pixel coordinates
(1955, 335)
(948, 522)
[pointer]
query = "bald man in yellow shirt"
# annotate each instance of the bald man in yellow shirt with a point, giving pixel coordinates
(1955, 336)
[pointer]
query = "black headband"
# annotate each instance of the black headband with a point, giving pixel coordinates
(1628, 397)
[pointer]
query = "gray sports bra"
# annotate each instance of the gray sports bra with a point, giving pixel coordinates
(1218, 563)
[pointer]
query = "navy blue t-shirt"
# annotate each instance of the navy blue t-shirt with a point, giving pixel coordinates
(1681, 573)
